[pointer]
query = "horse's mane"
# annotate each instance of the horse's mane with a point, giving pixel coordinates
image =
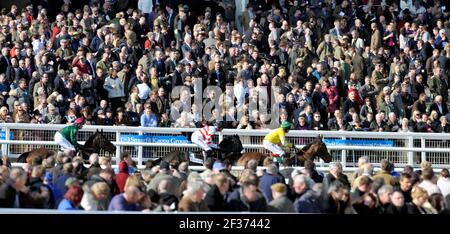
(306, 147)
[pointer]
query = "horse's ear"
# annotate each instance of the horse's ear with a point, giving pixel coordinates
(320, 136)
(96, 130)
(102, 130)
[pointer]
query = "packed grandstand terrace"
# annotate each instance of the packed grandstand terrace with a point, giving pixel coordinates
(362, 73)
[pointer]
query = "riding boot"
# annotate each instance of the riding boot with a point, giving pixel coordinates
(278, 159)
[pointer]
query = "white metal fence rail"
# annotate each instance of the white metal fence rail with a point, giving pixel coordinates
(409, 148)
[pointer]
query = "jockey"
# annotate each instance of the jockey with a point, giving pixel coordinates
(66, 136)
(203, 136)
(274, 138)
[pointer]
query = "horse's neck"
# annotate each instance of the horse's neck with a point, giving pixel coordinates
(301, 157)
(89, 142)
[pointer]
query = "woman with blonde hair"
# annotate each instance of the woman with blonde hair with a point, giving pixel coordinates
(419, 198)
(434, 118)
(243, 123)
(405, 126)
(415, 118)
(4, 115)
(96, 197)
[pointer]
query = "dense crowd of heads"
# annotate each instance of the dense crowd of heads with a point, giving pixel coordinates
(365, 65)
(64, 183)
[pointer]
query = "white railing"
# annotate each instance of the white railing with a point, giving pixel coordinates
(408, 148)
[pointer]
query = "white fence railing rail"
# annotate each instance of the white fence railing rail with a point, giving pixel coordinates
(408, 148)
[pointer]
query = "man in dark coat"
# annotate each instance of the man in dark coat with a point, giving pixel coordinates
(335, 174)
(11, 195)
(215, 197)
(438, 106)
(247, 198)
(307, 199)
(267, 180)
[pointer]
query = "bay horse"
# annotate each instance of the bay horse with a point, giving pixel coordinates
(314, 149)
(229, 148)
(94, 144)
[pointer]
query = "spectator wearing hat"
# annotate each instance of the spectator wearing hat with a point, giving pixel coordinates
(64, 54)
(280, 202)
(121, 178)
(438, 84)
(101, 117)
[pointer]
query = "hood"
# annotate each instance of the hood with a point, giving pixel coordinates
(123, 167)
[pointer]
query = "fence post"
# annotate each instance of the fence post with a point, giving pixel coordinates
(5, 147)
(344, 156)
(118, 148)
(220, 137)
(140, 151)
(410, 153)
(423, 145)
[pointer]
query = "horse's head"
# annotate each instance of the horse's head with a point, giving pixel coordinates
(231, 147)
(231, 144)
(319, 149)
(101, 142)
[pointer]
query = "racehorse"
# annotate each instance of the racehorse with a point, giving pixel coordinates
(314, 149)
(94, 144)
(229, 148)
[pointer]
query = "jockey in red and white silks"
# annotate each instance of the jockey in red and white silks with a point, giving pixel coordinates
(203, 138)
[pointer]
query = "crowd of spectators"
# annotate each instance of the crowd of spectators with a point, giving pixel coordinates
(64, 183)
(363, 65)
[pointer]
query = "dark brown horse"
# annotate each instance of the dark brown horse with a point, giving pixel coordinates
(297, 158)
(94, 144)
(229, 148)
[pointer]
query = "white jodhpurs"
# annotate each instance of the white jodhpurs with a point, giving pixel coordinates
(63, 142)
